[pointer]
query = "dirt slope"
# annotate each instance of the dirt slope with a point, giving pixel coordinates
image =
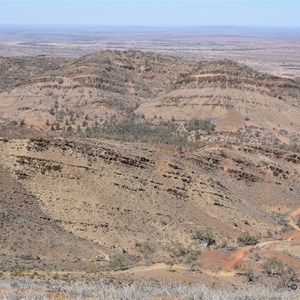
(120, 194)
(29, 237)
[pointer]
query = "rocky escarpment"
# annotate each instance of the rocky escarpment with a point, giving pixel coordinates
(110, 192)
(228, 74)
(270, 152)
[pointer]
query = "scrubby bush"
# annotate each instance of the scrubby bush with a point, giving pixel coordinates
(190, 252)
(118, 262)
(273, 266)
(170, 264)
(285, 275)
(251, 275)
(52, 111)
(247, 239)
(204, 236)
(177, 249)
(22, 123)
(192, 256)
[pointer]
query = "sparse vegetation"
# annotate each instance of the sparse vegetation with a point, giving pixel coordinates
(274, 267)
(192, 256)
(177, 175)
(119, 261)
(189, 253)
(204, 236)
(146, 249)
(136, 129)
(140, 130)
(247, 239)
(199, 124)
(177, 249)
(294, 148)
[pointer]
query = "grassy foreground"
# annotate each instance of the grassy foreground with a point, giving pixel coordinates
(25, 289)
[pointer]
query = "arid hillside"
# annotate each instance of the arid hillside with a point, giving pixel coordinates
(107, 87)
(233, 95)
(30, 238)
(122, 195)
(151, 158)
(94, 88)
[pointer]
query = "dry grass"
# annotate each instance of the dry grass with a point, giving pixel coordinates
(26, 289)
(35, 289)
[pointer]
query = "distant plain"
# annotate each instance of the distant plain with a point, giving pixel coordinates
(272, 50)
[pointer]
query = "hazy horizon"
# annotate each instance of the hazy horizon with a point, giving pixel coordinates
(143, 13)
